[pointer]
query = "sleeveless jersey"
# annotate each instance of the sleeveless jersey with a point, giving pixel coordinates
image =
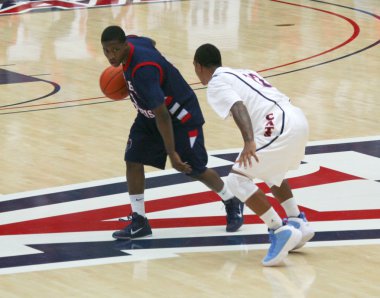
(152, 80)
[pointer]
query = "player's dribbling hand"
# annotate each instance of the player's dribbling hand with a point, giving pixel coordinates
(178, 164)
(246, 155)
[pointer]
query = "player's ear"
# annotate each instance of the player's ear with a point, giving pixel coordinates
(126, 48)
(197, 65)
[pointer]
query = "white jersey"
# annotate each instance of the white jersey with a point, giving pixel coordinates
(265, 104)
(280, 129)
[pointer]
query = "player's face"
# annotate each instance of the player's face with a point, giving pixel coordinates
(198, 70)
(115, 51)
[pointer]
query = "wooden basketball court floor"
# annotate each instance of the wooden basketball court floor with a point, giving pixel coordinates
(61, 167)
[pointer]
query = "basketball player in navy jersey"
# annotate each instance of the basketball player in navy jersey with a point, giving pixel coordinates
(275, 134)
(168, 123)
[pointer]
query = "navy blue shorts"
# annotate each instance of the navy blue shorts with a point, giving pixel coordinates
(145, 145)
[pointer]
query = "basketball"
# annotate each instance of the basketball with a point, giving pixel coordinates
(113, 84)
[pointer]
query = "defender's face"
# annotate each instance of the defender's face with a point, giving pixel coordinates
(115, 51)
(199, 72)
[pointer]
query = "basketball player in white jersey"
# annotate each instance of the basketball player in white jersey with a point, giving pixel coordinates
(275, 134)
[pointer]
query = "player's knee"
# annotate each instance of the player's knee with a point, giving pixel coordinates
(241, 186)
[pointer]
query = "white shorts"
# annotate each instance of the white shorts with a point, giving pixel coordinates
(283, 154)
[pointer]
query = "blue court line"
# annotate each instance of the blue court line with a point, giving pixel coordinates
(77, 251)
(96, 191)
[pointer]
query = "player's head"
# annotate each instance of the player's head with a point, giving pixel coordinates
(208, 55)
(207, 58)
(115, 47)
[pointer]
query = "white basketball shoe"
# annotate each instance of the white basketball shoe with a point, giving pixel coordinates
(303, 225)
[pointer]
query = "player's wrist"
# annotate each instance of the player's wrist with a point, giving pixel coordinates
(249, 141)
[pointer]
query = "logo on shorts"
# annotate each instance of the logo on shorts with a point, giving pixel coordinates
(269, 126)
(129, 145)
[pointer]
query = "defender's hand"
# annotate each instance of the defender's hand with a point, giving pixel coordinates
(248, 152)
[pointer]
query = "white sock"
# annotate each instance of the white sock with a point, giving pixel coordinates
(137, 204)
(225, 194)
(291, 208)
(272, 219)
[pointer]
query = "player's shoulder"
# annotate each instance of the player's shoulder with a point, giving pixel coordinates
(141, 40)
(221, 70)
(222, 74)
(227, 73)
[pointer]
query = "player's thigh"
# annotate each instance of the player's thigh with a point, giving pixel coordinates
(145, 146)
(275, 161)
(190, 147)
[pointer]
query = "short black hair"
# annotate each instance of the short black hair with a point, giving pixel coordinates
(208, 55)
(113, 33)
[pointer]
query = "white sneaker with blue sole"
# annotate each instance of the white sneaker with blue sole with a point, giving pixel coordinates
(301, 223)
(282, 241)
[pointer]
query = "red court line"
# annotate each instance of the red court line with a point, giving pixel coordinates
(50, 103)
(98, 219)
(92, 220)
(352, 37)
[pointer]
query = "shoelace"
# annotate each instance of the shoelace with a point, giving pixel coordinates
(129, 218)
(301, 216)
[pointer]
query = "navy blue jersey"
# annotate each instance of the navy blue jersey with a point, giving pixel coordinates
(152, 80)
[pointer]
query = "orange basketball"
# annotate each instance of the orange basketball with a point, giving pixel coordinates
(113, 84)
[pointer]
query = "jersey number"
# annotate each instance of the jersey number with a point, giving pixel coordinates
(259, 80)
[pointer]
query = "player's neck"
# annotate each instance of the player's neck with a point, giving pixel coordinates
(124, 60)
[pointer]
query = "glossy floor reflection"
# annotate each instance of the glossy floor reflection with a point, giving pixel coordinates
(62, 146)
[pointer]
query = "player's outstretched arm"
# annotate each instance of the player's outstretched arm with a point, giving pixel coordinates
(243, 121)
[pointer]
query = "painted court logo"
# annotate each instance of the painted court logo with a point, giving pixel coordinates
(23, 6)
(337, 185)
